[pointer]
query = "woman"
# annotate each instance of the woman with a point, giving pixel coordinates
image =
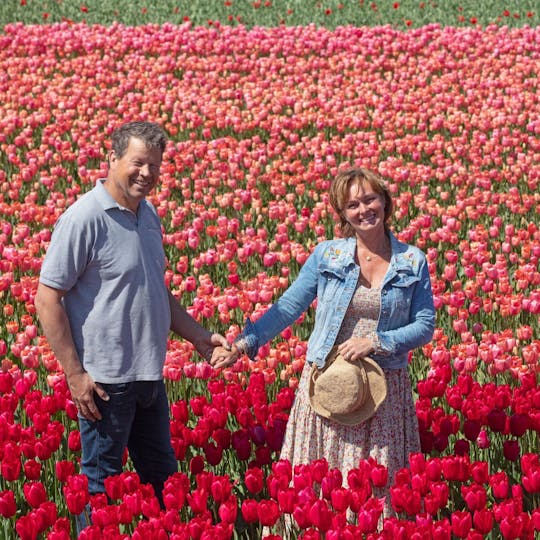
(373, 299)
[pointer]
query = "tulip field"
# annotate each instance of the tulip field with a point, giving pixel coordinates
(260, 119)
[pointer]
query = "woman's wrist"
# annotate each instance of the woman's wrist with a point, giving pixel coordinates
(375, 343)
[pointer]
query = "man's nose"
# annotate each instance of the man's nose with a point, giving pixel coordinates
(145, 170)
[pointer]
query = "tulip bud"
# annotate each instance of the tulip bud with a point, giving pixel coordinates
(482, 440)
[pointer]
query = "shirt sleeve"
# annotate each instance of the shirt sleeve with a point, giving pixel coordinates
(67, 256)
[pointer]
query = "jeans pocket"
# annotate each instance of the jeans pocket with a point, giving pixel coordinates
(116, 389)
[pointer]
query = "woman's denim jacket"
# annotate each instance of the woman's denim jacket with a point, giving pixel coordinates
(330, 274)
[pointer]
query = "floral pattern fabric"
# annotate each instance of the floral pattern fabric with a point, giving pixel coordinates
(388, 436)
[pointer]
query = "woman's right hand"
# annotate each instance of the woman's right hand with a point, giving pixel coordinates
(355, 348)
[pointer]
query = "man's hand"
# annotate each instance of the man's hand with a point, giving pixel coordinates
(82, 388)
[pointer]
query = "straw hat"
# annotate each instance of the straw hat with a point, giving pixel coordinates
(347, 392)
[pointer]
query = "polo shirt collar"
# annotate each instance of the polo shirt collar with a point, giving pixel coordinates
(104, 198)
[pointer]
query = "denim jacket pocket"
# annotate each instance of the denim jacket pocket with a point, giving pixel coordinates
(329, 285)
(401, 293)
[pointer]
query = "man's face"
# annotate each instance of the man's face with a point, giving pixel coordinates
(133, 176)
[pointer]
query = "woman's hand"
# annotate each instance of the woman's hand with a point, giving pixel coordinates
(355, 348)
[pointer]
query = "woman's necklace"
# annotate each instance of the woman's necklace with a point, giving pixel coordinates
(384, 253)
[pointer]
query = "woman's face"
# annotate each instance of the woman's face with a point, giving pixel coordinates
(364, 209)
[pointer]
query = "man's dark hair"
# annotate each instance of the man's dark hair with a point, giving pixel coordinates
(150, 133)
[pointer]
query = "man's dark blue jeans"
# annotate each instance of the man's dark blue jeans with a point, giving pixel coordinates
(136, 416)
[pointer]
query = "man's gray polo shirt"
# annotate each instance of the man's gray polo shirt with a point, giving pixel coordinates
(111, 263)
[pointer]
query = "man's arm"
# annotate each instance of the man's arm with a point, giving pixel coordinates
(212, 347)
(57, 330)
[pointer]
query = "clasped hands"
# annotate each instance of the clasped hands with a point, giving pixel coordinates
(218, 352)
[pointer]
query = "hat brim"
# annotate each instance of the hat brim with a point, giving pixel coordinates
(375, 397)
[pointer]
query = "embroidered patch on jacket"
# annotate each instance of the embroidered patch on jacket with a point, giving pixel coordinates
(335, 254)
(410, 258)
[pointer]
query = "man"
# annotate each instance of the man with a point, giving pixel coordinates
(106, 312)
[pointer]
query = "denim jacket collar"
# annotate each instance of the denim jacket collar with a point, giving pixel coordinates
(339, 256)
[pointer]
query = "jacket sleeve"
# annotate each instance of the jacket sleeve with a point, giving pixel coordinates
(288, 308)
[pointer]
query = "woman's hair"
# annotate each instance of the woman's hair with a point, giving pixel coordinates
(339, 193)
(150, 133)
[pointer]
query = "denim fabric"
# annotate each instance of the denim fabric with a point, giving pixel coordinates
(330, 275)
(137, 417)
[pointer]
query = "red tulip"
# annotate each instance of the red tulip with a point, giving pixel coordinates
(519, 423)
(461, 447)
(333, 480)
(379, 475)
(34, 492)
(64, 469)
(461, 523)
(340, 498)
(368, 520)
(511, 450)
(197, 500)
(213, 453)
(228, 510)
(483, 520)
(221, 488)
(11, 466)
(441, 530)
(196, 464)
(8, 506)
(268, 512)
(301, 516)
(482, 440)
(471, 429)
(179, 411)
(74, 441)
(250, 508)
(222, 437)
(27, 527)
(320, 515)
(76, 493)
(512, 527)
(497, 420)
(456, 468)
(32, 469)
(499, 484)
(319, 469)
(475, 496)
(480, 472)
(60, 530)
(287, 500)
(254, 480)
(242, 444)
